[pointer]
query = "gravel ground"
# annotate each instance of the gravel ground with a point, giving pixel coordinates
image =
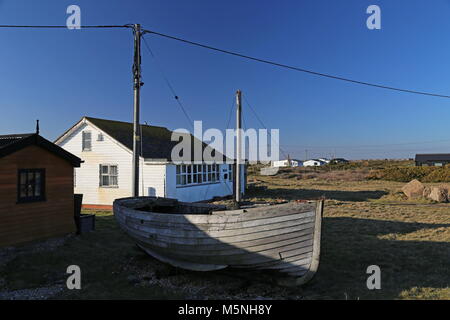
(32, 294)
(8, 254)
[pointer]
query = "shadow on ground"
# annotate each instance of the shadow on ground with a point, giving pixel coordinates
(294, 194)
(114, 268)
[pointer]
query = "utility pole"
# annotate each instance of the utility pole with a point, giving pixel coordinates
(238, 147)
(137, 88)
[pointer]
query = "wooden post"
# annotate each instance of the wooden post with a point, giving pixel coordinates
(238, 146)
(136, 87)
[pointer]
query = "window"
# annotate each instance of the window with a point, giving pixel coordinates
(108, 175)
(31, 185)
(100, 137)
(192, 174)
(87, 141)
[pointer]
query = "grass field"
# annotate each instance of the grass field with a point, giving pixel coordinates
(365, 223)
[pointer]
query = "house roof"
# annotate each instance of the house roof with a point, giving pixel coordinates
(433, 157)
(156, 141)
(14, 142)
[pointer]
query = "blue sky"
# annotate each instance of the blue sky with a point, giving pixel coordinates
(58, 76)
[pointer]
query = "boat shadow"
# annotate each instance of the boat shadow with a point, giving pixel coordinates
(295, 194)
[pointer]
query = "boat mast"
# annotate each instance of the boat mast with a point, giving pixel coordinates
(137, 88)
(238, 147)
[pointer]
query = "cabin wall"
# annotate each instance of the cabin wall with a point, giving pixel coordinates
(198, 192)
(23, 222)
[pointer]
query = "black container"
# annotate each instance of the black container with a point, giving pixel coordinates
(84, 222)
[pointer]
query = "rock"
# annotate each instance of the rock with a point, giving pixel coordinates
(438, 194)
(413, 189)
(426, 192)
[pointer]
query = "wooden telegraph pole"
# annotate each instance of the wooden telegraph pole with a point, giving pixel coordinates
(137, 88)
(238, 147)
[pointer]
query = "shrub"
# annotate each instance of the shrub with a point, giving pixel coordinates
(406, 174)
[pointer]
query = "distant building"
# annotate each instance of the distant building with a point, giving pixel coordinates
(436, 160)
(285, 163)
(338, 160)
(324, 160)
(314, 163)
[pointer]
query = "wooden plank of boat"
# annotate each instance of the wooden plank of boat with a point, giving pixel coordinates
(283, 237)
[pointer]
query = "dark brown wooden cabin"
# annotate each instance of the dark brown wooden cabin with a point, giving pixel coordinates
(36, 189)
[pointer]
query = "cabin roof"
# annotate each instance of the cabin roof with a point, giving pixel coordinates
(11, 143)
(156, 141)
(433, 157)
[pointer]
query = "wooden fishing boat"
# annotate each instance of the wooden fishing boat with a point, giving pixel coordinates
(204, 237)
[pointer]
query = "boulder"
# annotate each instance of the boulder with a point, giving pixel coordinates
(439, 194)
(413, 189)
(426, 192)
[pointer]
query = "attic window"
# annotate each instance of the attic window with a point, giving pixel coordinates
(87, 141)
(100, 137)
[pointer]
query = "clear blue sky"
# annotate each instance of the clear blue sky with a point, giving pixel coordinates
(58, 76)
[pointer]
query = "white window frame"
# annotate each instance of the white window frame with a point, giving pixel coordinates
(109, 175)
(197, 174)
(83, 141)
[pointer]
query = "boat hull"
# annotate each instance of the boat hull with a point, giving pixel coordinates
(282, 237)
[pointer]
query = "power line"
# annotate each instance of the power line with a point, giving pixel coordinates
(231, 113)
(169, 84)
(65, 27)
(264, 126)
(369, 145)
(297, 68)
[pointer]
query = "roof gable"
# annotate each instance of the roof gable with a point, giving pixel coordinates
(15, 142)
(156, 141)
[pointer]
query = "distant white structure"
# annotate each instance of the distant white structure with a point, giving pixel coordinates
(285, 163)
(324, 160)
(314, 163)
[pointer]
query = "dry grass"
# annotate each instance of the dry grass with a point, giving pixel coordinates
(365, 223)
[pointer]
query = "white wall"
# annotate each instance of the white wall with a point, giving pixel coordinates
(280, 163)
(312, 163)
(285, 163)
(102, 152)
(154, 177)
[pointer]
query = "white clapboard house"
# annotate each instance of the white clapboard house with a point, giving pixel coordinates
(106, 147)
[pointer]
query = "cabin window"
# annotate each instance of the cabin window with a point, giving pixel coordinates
(87, 141)
(193, 174)
(109, 175)
(31, 185)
